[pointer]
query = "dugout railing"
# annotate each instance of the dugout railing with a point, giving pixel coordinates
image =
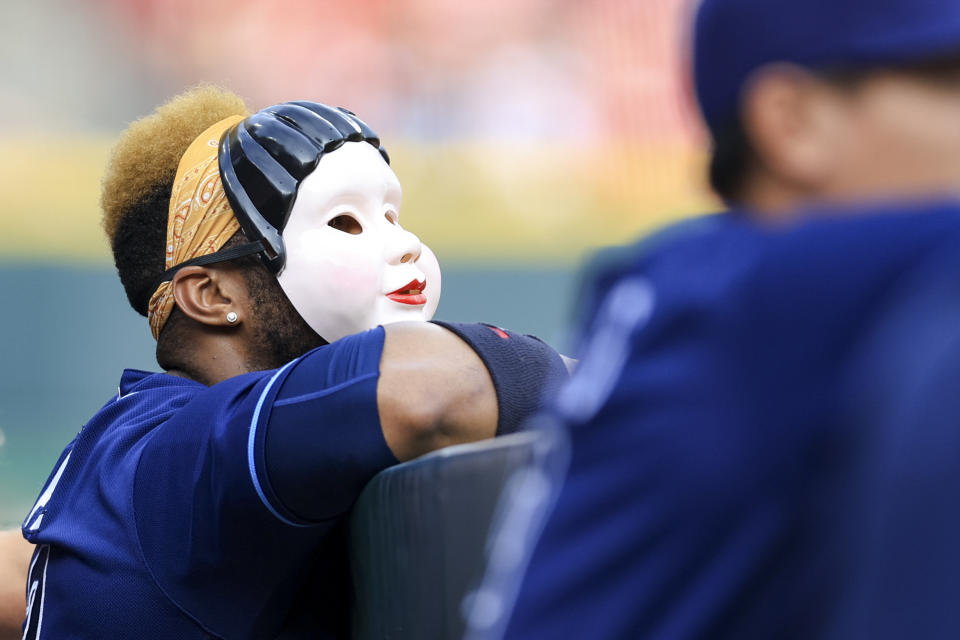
(418, 534)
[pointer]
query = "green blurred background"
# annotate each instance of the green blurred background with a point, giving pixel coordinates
(526, 133)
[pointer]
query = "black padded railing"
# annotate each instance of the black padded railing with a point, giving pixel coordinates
(418, 535)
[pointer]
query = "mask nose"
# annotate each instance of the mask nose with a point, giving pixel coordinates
(403, 247)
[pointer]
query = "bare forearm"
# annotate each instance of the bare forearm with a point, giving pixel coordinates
(15, 555)
(460, 383)
(433, 391)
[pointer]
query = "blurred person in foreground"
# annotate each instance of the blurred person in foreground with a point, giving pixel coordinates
(289, 308)
(761, 440)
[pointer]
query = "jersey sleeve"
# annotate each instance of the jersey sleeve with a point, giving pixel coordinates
(321, 441)
(236, 492)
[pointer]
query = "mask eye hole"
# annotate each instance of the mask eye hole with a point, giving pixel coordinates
(346, 223)
(391, 217)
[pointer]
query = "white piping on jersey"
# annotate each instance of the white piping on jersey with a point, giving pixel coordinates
(33, 563)
(251, 441)
(31, 596)
(628, 306)
(121, 396)
(31, 525)
(43, 591)
(325, 392)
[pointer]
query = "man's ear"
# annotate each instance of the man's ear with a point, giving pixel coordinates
(207, 295)
(790, 120)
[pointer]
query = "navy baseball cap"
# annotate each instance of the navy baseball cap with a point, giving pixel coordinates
(733, 38)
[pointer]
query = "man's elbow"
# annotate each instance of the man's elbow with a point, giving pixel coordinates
(455, 407)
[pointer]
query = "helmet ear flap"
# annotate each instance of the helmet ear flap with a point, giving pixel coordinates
(264, 158)
(254, 225)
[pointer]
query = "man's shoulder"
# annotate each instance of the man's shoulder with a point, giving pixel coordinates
(605, 268)
(612, 262)
(726, 254)
(735, 292)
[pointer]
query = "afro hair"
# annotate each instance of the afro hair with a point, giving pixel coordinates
(139, 179)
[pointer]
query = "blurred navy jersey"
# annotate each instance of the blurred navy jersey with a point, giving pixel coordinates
(908, 561)
(186, 511)
(722, 430)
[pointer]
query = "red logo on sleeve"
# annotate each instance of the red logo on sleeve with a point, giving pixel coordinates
(500, 332)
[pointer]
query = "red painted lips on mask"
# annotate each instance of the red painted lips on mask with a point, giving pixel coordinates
(410, 293)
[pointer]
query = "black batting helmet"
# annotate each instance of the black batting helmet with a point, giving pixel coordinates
(264, 158)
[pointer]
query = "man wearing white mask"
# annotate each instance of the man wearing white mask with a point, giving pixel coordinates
(266, 253)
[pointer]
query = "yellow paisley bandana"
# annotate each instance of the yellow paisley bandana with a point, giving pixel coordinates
(200, 219)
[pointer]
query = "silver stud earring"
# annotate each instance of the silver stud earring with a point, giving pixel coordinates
(232, 317)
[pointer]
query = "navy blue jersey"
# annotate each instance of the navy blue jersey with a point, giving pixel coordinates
(724, 460)
(185, 511)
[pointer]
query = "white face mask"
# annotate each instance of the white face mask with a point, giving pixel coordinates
(350, 266)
